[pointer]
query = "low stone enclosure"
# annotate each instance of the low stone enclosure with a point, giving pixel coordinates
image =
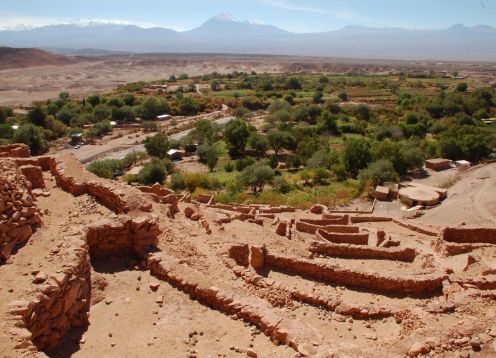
(271, 267)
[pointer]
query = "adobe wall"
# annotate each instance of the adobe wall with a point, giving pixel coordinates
(78, 181)
(364, 219)
(362, 311)
(336, 219)
(19, 215)
(473, 235)
(63, 300)
(338, 238)
(312, 228)
(363, 252)
(415, 228)
(415, 285)
(34, 175)
(156, 189)
(17, 150)
(259, 312)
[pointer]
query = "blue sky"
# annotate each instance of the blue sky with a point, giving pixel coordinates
(293, 15)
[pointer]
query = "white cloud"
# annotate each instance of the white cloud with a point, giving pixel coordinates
(283, 4)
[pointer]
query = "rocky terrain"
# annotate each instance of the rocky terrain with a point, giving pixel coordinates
(29, 57)
(93, 267)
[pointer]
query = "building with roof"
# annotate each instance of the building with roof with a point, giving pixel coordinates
(438, 164)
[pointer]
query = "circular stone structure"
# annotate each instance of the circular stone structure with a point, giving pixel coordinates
(419, 196)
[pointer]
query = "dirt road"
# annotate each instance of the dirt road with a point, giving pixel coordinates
(118, 148)
(471, 200)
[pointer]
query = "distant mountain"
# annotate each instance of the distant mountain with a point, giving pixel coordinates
(27, 57)
(225, 34)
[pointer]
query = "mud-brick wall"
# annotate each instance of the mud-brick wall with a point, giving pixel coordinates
(343, 238)
(406, 254)
(19, 215)
(61, 302)
(311, 228)
(15, 151)
(403, 284)
(466, 235)
(124, 236)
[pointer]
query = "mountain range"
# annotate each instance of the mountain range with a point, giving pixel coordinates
(225, 34)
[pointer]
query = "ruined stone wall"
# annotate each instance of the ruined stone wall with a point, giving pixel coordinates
(416, 228)
(19, 215)
(105, 192)
(416, 285)
(34, 175)
(338, 238)
(365, 219)
(467, 235)
(240, 253)
(281, 330)
(123, 236)
(336, 219)
(62, 300)
(17, 150)
(156, 189)
(363, 252)
(309, 228)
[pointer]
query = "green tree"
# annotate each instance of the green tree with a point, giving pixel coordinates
(294, 83)
(37, 116)
(212, 157)
(215, 85)
(101, 112)
(462, 87)
(154, 172)
(152, 107)
(379, 172)
(188, 106)
(157, 145)
(258, 143)
(279, 140)
(33, 137)
(343, 96)
(236, 135)
(356, 155)
(124, 113)
(256, 176)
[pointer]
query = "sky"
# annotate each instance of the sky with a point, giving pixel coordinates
(292, 15)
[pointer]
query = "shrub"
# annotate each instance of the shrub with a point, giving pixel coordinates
(154, 172)
(229, 167)
(282, 186)
(157, 145)
(105, 168)
(177, 182)
(378, 172)
(256, 176)
(33, 137)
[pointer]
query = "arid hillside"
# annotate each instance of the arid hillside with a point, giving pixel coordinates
(29, 57)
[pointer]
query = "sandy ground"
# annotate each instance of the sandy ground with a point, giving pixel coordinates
(472, 200)
(101, 74)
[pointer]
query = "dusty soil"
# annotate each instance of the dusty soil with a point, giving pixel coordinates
(136, 312)
(471, 200)
(100, 74)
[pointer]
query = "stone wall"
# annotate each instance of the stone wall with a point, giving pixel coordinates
(470, 235)
(17, 150)
(34, 175)
(336, 219)
(365, 219)
(19, 215)
(416, 228)
(363, 252)
(62, 300)
(123, 236)
(339, 238)
(78, 181)
(414, 285)
(259, 312)
(312, 228)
